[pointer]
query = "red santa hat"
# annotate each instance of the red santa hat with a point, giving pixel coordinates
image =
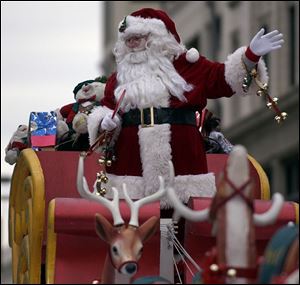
(148, 20)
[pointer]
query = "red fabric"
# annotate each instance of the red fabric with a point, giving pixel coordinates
(161, 15)
(42, 141)
(209, 82)
(252, 56)
(68, 112)
(18, 145)
(60, 172)
(91, 99)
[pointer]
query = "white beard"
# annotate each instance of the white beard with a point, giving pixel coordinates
(148, 76)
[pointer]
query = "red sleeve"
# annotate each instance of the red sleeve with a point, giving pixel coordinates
(109, 97)
(207, 77)
(216, 85)
(65, 110)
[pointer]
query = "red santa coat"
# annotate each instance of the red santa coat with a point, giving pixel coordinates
(143, 153)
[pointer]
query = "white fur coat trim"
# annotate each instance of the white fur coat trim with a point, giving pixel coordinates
(186, 186)
(143, 26)
(235, 72)
(134, 185)
(155, 152)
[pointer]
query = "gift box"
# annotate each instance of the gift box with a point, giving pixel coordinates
(42, 129)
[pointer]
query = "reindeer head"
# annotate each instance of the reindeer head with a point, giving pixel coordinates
(125, 241)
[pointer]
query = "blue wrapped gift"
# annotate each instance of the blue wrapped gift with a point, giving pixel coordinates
(42, 129)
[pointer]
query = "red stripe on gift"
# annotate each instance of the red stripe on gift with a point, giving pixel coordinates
(43, 140)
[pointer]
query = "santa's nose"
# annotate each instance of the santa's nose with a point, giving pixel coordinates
(136, 41)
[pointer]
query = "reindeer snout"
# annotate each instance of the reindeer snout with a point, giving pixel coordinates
(129, 268)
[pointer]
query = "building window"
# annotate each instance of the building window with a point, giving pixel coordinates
(292, 44)
(233, 4)
(291, 168)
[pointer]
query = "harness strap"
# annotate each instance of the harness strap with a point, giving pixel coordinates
(237, 191)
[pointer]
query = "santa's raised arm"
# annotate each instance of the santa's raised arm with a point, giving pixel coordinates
(165, 84)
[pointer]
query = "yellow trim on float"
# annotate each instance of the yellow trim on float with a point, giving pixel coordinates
(263, 179)
(26, 216)
(296, 205)
(51, 244)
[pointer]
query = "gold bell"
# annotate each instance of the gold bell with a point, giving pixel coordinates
(108, 163)
(275, 100)
(269, 105)
(101, 161)
(104, 179)
(260, 93)
(278, 119)
(245, 87)
(214, 267)
(103, 191)
(231, 272)
(265, 86)
(253, 72)
(283, 115)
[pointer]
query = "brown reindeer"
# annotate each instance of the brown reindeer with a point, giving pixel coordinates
(231, 213)
(125, 241)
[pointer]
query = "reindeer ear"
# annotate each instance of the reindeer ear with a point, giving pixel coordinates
(104, 229)
(149, 228)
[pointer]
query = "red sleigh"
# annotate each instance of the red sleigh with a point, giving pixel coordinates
(52, 226)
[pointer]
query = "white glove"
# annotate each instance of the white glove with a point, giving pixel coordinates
(262, 44)
(109, 124)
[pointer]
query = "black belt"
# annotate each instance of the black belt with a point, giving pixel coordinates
(153, 116)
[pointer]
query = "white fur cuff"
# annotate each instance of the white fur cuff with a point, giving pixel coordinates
(235, 72)
(94, 120)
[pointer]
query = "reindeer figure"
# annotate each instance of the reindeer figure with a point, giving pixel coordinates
(233, 219)
(125, 241)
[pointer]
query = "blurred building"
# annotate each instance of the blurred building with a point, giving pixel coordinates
(216, 29)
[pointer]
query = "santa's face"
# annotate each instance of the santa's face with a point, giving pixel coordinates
(145, 70)
(136, 42)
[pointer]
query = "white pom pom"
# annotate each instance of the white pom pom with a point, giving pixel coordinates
(192, 55)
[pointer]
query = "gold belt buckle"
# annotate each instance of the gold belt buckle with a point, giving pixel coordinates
(143, 125)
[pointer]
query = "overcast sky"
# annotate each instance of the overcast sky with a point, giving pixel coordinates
(46, 49)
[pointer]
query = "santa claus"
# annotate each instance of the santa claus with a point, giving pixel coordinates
(164, 85)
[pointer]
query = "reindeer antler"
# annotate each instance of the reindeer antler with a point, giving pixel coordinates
(84, 192)
(135, 206)
(271, 215)
(179, 208)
